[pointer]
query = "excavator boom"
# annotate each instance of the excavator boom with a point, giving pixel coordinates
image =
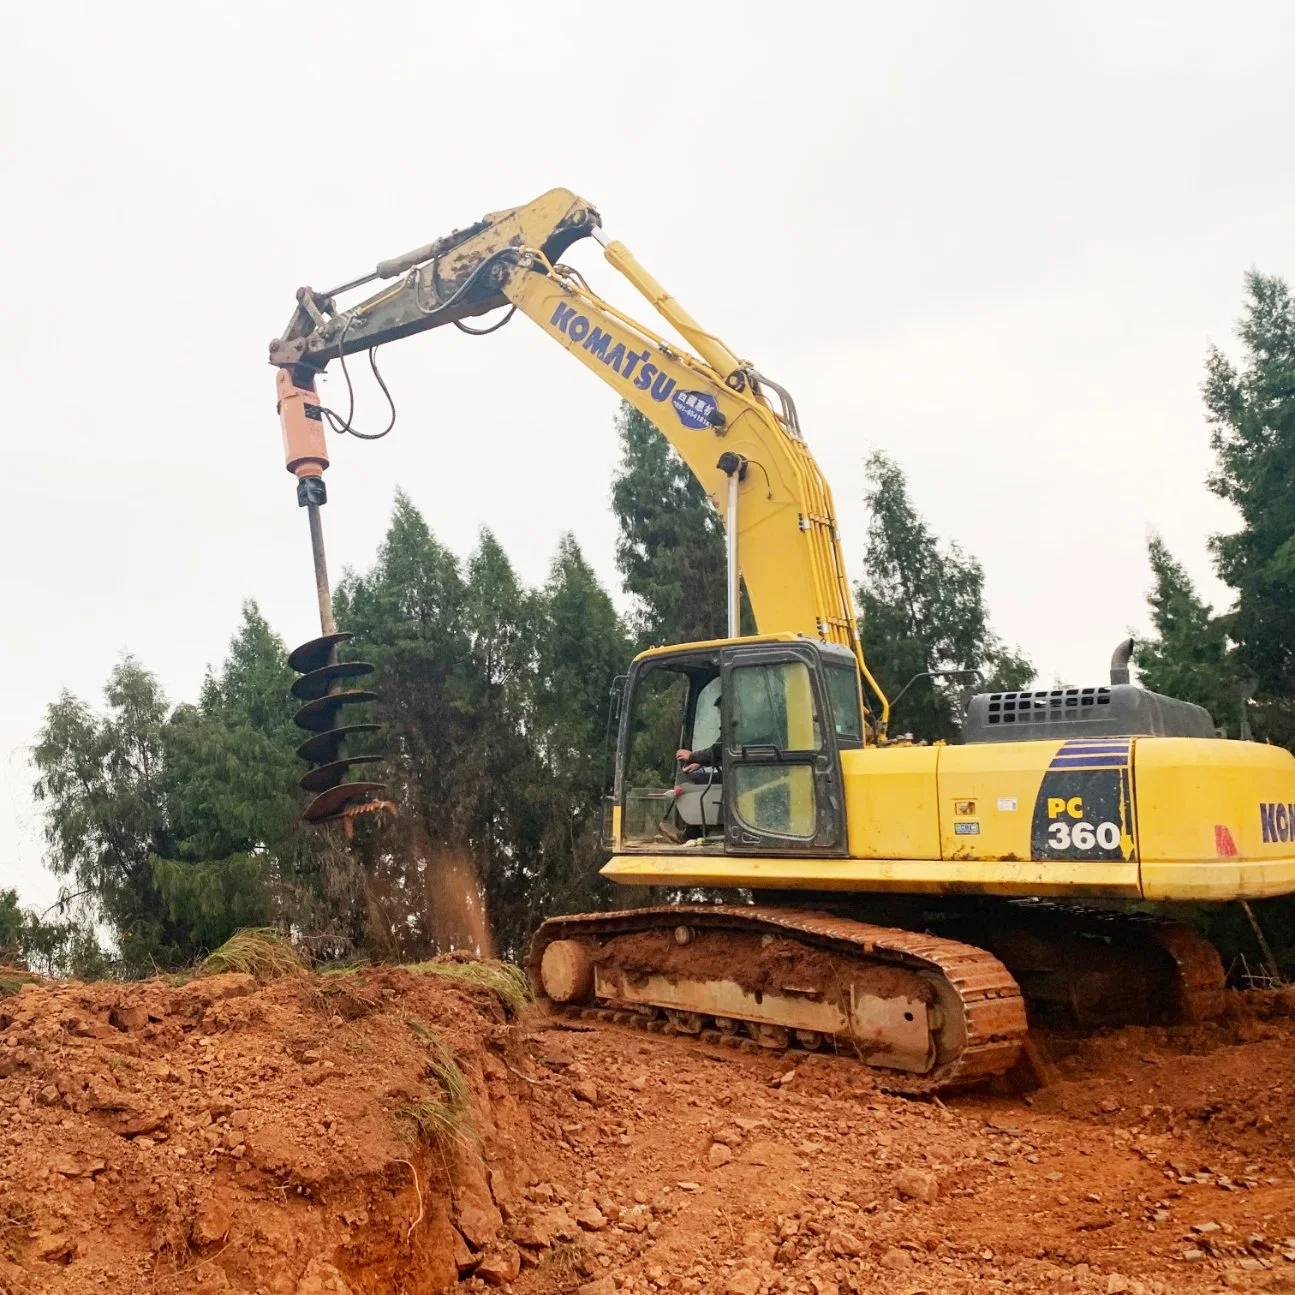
(713, 408)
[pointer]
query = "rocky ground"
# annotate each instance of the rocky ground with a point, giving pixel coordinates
(305, 1137)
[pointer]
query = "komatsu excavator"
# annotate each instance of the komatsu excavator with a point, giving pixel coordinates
(910, 899)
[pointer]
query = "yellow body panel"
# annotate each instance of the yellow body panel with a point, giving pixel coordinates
(1216, 819)
(891, 803)
(1154, 818)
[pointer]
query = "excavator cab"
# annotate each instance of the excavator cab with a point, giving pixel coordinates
(781, 710)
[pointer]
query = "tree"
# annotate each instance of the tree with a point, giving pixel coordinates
(670, 551)
(59, 948)
(1251, 410)
(177, 829)
(1189, 655)
(922, 609)
(582, 648)
(99, 778)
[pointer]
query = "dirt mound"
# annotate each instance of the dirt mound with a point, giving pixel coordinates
(283, 1138)
(224, 1135)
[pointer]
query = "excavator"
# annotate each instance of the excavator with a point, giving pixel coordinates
(895, 901)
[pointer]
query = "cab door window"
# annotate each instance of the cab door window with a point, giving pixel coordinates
(775, 733)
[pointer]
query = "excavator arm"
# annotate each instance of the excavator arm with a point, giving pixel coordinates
(713, 408)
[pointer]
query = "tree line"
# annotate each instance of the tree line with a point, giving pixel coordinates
(172, 825)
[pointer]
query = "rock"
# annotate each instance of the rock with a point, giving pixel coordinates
(742, 1281)
(128, 1016)
(1193, 1255)
(917, 1184)
(590, 1217)
(896, 1258)
(1110, 1105)
(554, 1051)
(500, 1267)
(558, 1224)
(636, 1220)
(824, 1285)
(603, 1286)
(56, 1248)
(210, 1224)
(758, 1245)
(718, 1155)
(639, 1083)
(762, 1153)
(843, 1244)
(49, 1096)
(321, 1278)
(586, 1091)
(1204, 1229)
(476, 1215)
(531, 1233)
(136, 1126)
(731, 1137)
(464, 1260)
(1117, 1285)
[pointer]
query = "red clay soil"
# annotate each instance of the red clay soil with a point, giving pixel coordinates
(229, 1136)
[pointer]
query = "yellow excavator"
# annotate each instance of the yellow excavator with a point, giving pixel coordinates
(909, 899)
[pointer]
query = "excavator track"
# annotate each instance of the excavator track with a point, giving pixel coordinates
(936, 1013)
(1091, 967)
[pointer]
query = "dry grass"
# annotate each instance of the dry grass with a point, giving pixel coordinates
(447, 1119)
(256, 951)
(561, 1262)
(504, 979)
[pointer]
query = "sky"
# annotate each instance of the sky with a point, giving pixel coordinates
(993, 240)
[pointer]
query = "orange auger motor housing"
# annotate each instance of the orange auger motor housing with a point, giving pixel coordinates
(305, 451)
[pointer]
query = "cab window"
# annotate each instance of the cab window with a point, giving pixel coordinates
(843, 693)
(773, 714)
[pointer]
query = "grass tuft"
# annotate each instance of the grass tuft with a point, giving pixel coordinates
(257, 951)
(507, 981)
(12, 979)
(447, 1119)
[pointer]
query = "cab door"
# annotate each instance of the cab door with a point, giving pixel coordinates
(782, 776)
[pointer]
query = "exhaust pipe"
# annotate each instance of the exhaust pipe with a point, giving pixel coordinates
(1120, 662)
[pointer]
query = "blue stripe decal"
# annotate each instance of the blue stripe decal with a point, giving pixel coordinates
(1090, 762)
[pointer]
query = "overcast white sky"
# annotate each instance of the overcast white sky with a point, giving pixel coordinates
(993, 239)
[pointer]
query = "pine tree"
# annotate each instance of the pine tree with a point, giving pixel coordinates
(670, 552)
(1189, 656)
(1251, 410)
(582, 651)
(922, 609)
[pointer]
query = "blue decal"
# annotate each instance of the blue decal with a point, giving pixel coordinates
(614, 353)
(1276, 821)
(694, 408)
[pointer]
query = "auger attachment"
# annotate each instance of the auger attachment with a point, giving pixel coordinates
(322, 688)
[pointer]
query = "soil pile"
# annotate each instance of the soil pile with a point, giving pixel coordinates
(294, 1137)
